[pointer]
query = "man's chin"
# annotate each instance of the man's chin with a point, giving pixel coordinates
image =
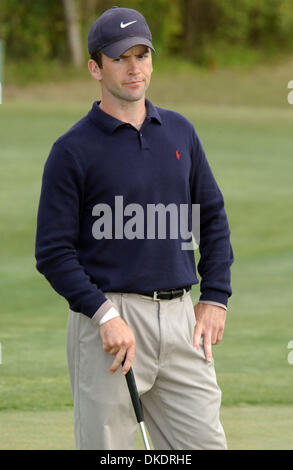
(134, 97)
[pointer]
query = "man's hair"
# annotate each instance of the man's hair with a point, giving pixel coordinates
(97, 57)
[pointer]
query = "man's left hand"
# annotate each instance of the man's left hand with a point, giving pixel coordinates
(210, 323)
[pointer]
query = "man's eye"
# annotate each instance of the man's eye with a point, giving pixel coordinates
(118, 59)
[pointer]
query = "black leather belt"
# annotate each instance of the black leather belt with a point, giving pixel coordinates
(167, 294)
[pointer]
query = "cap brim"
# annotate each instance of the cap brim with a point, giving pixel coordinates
(116, 49)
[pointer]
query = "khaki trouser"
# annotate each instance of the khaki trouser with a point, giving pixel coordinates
(177, 387)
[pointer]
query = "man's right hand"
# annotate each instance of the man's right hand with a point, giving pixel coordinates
(118, 339)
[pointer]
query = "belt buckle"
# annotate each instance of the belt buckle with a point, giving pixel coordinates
(181, 294)
(173, 296)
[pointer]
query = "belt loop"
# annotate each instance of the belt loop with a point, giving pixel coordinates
(184, 292)
(155, 296)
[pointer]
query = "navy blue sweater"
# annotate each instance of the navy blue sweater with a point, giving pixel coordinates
(101, 157)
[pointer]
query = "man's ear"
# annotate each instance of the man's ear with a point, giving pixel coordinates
(94, 69)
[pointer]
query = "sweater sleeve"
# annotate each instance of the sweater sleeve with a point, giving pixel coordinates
(216, 254)
(57, 234)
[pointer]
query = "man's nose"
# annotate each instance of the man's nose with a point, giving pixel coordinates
(133, 66)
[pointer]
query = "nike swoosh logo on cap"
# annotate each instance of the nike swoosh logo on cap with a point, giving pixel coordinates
(124, 25)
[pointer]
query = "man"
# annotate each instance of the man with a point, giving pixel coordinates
(128, 287)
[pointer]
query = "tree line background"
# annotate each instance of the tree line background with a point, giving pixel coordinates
(201, 31)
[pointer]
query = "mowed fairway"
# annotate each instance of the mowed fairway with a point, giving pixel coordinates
(250, 151)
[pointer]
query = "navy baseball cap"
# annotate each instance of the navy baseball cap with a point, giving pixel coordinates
(118, 29)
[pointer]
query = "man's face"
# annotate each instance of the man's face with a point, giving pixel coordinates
(127, 77)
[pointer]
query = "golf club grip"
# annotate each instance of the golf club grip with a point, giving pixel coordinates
(134, 395)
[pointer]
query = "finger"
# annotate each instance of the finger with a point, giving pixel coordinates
(208, 348)
(214, 338)
(118, 360)
(114, 351)
(220, 335)
(109, 348)
(128, 359)
(197, 336)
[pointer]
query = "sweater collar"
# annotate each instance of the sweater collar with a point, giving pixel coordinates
(110, 124)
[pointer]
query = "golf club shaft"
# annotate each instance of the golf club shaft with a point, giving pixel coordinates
(134, 395)
(144, 436)
(136, 404)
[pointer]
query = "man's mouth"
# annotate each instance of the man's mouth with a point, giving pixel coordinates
(134, 83)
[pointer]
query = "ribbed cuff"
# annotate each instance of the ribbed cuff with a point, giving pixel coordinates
(104, 308)
(210, 302)
(112, 313)
(215, 295)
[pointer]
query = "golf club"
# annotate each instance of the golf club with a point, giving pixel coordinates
(136, 404)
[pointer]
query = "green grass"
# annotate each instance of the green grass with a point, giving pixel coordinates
(248, 142)
(246, 428)
(43, 430)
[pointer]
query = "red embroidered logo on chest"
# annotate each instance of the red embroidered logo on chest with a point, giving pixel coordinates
(177, 154)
